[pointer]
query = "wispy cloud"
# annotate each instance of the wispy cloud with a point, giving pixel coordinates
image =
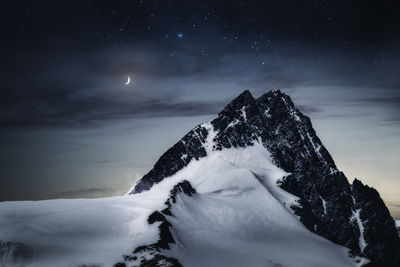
(88, 193)
(79, 89)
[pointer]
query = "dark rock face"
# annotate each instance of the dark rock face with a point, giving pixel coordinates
(326, 197)
(176, 158)
(151, 255)
(379, 228)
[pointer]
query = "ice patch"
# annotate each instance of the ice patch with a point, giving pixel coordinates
(316, 147)
(184, 156)
(266, 113)
(361, 241)
(233, 123)
(333, 170)
(323, 204)
(244, 115)
(356, 216)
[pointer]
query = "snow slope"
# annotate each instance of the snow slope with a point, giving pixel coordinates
(236, 221)
(239, 217)
(74, 232)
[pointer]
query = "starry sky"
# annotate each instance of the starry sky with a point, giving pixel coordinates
(70, 128)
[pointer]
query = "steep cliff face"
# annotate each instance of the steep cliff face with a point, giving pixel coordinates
(350, 215)
(379, 230)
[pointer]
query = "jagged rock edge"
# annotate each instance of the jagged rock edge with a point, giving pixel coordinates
(157, 258)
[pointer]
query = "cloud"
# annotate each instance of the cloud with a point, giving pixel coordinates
(309, 109)
(88, 193)
(88, 111)
(83, 87)
(380, 100)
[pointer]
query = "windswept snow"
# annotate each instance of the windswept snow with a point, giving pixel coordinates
(292, 111)
(239, 217)
(244, 115)
(233, 123)
(209, 143)
(356, 216)
(333, 170)
(266, 113)
(323, 204)
(316, 147)
(361, 241)
(79, 231)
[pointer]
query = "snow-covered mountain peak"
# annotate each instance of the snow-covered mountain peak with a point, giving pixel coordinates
(253, 187)
(324, 196)
(272, 118)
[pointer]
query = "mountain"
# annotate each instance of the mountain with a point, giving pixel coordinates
(253, 187)
(352, 215)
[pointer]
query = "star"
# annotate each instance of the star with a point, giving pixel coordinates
(180, 35)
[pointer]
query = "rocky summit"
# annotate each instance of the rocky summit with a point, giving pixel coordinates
(351, 215)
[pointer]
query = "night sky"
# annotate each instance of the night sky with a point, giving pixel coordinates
(69, 127)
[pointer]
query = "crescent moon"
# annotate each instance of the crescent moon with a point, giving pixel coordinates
(129, 80)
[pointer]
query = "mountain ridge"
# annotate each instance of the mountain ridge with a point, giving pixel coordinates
(329, 205)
